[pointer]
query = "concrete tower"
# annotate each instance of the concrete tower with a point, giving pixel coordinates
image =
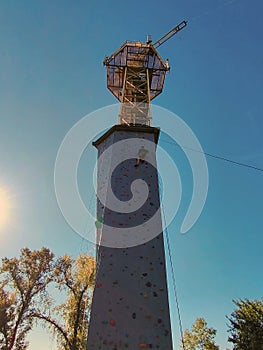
(130, 308)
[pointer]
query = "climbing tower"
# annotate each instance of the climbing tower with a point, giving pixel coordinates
(130, 308)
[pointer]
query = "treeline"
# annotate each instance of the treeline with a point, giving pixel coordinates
(37, 288)
(245, 326)
(27, 286)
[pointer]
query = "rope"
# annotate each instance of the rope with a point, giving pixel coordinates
(173, 279)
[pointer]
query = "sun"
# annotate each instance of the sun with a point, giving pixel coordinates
(5, 207)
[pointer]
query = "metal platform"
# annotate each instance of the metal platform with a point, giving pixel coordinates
(135, 76)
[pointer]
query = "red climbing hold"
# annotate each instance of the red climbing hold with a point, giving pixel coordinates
(112, 323)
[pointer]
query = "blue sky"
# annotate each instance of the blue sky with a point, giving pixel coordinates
(51, 75)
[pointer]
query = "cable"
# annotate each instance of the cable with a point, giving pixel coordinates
(211, 11)
(218, 157)
(173, 279)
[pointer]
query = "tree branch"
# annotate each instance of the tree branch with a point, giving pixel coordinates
(54, 324)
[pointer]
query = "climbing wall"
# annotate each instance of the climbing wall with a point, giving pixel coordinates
(130, 307)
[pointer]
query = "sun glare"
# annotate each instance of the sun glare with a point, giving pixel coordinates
(5, 208)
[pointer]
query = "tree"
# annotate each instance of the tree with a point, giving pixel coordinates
(246, 325)
(200, 337)
(22, 289)
(69, 320)
(7, 314)
(25, 297)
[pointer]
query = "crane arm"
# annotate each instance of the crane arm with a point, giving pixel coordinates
(167, 36)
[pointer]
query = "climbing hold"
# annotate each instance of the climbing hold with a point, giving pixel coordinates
(112, 323)
(98, 223)
(134, 315)
(143, 346)
(99, 284)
